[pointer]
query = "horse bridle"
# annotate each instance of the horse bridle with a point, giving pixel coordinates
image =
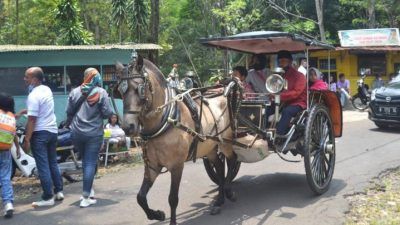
(123, 85)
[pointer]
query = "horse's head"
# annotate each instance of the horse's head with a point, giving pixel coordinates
(134, 89)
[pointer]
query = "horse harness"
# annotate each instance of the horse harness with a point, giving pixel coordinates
(171, 114)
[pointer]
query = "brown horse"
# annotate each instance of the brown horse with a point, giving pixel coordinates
(143, 90)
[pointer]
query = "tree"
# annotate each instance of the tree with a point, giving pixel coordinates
(297, 18)
(371, 13)
(119, 14)
(154, 26)
(72, 31)
(138, 16)
(237, 17)
(16, 20)
(319, 6)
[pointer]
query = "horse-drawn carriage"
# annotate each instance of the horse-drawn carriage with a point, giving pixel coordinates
(312, 132)
(215, 123)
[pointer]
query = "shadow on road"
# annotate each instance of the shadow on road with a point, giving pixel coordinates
(391, 130)
(259, 197)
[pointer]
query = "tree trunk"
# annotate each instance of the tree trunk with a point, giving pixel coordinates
(97, 33)
(138, 31)
(85, 16)
(17, 22)
(154, 26)
(319, 6)
(120, 33)
(371, 14)
(223, 34)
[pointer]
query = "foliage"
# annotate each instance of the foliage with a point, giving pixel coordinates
(72, 31)
(119, 11)
(183, 22)
(236, 18)
(138, 12)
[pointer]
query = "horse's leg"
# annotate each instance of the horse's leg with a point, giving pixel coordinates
(176, 175)
(150, 176)
(220, 169)
(231, 195)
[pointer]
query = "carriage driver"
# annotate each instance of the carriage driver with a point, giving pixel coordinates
(294, 99)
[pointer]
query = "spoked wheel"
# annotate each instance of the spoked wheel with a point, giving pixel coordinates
(319, 149)
(231, 168)
(358, 103)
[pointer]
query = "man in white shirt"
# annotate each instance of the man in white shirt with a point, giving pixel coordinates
(303, 66)
(258, 74)
(41, 136)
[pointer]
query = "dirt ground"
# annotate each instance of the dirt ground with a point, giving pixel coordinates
(379, 204)
(25, 187)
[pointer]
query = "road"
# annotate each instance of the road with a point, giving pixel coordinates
(269, 192)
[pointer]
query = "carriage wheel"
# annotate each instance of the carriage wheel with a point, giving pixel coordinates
(319, 149)
(232, 168)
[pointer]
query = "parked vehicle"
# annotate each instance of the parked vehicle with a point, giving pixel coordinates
(361, 100)
(66, 156)
(385, 105)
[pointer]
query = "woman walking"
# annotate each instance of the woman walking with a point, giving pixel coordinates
(7, 137)
(87, 126)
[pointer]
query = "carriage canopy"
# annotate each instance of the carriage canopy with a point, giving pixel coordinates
(258, 42)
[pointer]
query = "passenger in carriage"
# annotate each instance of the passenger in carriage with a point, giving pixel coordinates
(294, 98)
(315, 80)
(240, 72)
(258, 73)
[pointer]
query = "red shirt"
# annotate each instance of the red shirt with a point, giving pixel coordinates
(296, 93)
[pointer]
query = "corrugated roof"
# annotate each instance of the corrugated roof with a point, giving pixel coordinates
(378, 48)
(26, 48)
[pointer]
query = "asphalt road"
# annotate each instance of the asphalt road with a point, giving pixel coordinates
(269, 192)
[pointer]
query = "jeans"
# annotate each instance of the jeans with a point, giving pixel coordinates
(287, 114)
(343, 99)
(43, 144)
(5, 177)
(89, 148)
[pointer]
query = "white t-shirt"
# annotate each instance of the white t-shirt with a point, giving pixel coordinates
(302, 70)
(40, 104)
(116, 131)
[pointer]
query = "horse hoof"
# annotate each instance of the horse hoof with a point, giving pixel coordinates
(215, 210)
(231, 196)
(157, 215)
(160, 215)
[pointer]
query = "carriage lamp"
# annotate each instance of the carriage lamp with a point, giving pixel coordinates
(275, 83)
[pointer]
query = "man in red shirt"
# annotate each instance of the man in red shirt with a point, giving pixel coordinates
(295, 97)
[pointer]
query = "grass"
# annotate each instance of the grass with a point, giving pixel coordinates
(379, 204)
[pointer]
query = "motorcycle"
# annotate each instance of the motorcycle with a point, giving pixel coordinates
(361, 100)
(67, 157)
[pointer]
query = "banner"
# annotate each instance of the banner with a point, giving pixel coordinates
(369, 37)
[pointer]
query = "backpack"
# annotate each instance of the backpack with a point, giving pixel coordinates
(7, 130)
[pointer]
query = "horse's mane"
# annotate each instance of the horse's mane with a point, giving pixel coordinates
(157, 72)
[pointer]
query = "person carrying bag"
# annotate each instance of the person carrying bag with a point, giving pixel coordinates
(88, 105)
(7, 137)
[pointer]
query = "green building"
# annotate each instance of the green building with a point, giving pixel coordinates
(63, 67)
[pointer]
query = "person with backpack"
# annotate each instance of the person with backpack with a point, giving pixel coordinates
(7, 137)
(88, 105)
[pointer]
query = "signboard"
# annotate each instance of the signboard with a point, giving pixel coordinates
(369, 37)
